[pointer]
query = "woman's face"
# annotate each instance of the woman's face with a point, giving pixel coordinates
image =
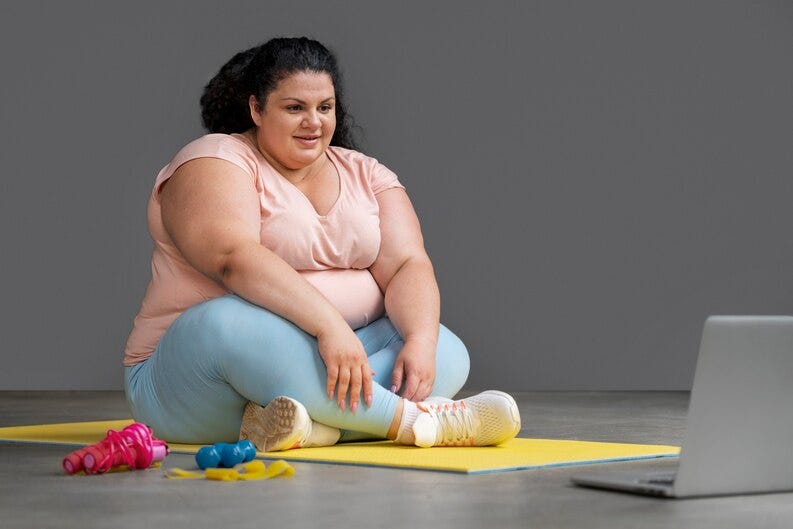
(298, 119)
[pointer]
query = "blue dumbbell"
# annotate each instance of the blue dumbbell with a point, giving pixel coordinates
(225, 454)
(208, 457)
(248, 450)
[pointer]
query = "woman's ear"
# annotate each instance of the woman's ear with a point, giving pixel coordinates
(255, 109)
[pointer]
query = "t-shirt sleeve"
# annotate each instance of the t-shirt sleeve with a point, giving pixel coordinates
(384, 178)
(220, 146)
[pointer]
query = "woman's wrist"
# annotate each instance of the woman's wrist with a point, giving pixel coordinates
(329, 322)
(425, 338)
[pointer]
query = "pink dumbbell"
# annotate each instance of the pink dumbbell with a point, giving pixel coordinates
(134, 446)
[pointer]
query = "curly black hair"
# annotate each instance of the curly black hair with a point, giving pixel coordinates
(257, 71)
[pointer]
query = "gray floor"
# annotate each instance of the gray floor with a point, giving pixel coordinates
(34, 492)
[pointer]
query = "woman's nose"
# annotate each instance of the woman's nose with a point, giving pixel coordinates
(311, 121)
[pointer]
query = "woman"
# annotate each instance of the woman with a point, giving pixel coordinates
(290, 286)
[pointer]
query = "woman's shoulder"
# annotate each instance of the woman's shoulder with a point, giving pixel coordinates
(366, 168)
(234, 148)
(218, 142)
(355, 159)
(228, 147)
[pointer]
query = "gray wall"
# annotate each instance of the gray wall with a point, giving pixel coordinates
(593, 178)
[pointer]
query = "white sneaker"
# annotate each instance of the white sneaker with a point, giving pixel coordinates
(282, 425)
(486, 419)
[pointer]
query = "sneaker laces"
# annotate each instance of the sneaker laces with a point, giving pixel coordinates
(456, 423)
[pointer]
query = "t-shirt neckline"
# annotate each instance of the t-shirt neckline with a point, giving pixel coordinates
(331, 158)
(305, 198)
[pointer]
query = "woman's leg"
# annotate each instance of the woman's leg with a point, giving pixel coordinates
(491, 417)
(222, 353)
(382, 343)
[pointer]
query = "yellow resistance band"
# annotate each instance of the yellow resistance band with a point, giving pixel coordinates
(245, 472)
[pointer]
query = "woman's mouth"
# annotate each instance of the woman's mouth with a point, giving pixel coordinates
(308, 141)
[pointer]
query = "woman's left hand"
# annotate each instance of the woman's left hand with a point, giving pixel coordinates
(415, 366)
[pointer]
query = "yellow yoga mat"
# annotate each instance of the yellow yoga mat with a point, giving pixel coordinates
(518, 454)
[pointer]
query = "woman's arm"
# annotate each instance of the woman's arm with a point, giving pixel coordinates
(211, 212)
(404, 272)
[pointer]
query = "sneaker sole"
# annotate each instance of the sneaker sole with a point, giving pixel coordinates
(276, 426)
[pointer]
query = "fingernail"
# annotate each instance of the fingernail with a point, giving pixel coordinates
(354, 407)
(342, 405)
(393, 388)
(369, 400)
(331, 394)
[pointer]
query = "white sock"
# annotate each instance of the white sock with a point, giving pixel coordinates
(405, 433)
(321, 435)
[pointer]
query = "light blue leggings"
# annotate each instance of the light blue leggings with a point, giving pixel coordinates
(222, 353)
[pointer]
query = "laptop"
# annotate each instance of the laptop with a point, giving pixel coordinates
(739, 430)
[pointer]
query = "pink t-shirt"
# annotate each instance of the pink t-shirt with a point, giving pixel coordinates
(333, 251)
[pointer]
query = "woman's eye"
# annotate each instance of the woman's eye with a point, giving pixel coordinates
(293, 108)
(325, 108)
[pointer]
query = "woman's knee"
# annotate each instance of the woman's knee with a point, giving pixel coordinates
(453, 362)
(222, 319)
(230, 323)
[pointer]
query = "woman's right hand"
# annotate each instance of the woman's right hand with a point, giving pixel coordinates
(347, 366)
